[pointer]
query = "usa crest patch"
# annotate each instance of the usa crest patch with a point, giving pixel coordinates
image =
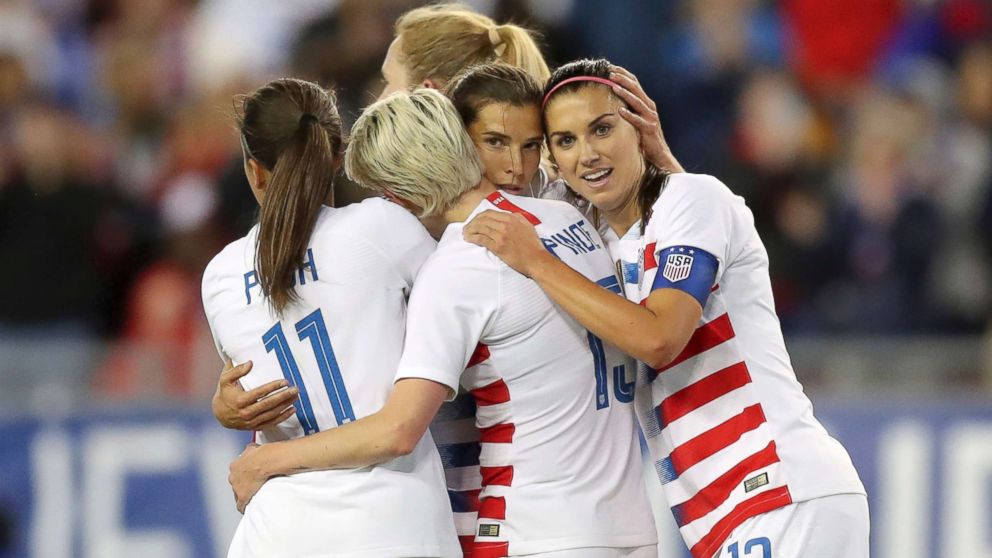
(677, 267)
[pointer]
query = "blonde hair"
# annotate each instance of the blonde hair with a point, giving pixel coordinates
(442, 40)
(414, 145)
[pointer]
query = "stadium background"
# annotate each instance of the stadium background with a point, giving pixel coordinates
(859, 131)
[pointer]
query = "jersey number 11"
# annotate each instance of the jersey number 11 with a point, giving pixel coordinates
(313, 328)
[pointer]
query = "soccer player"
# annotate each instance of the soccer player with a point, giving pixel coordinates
(561, 472)
(432, 45)
(746, 467)
(319, 296)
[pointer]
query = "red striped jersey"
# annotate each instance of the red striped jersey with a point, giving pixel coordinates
(559, 460)
(731, 432)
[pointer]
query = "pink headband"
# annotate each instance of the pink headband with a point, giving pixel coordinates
(604, 81)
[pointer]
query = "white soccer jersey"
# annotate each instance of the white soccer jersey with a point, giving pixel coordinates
(729, 427)
(340, 344)
(560, 462)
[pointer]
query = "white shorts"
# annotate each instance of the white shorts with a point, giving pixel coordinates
(828, 527)
(650, 551)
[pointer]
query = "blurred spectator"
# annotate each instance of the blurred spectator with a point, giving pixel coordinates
(58, 235)
(165, 348)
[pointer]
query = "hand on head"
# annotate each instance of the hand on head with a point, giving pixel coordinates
(643, 115)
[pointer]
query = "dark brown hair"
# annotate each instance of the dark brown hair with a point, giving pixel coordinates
(495, 82)
(654, 178)
(292, 128)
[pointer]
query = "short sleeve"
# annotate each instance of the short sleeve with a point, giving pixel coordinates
(408, 240)
(208, 294)
(452, 304)
(689, 234)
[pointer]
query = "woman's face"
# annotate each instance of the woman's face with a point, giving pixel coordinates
(395, 75)
(508, 139)
(596, 150)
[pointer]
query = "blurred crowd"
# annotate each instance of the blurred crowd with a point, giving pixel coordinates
(859, 131)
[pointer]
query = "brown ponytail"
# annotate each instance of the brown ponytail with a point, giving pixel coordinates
(292, 128)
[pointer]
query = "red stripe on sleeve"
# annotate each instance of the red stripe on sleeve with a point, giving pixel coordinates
(717, 492)
(501, 202)
(649, 261)
(492, 508)
(492, 394)
(695, 395)
(497, 476)
(491, 550)
(481, 354)
(498, 434)
(715, 439)
(705, 338)
(467, 543)
(762, 503)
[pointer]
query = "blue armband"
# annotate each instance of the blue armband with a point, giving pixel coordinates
(687, 269)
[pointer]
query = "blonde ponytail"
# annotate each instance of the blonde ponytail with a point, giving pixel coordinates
(440, 41)
(520, 50)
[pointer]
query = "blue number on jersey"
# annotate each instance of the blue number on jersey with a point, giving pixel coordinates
(622, 389)
(313, 328)
(763, 542)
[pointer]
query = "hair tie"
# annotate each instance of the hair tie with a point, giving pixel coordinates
(307, 118)
(604, 81)
(494, 37)
(499, 47)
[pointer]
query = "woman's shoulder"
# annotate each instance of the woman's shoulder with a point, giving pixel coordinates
(232, 256)
(689, 188)
(372, 218)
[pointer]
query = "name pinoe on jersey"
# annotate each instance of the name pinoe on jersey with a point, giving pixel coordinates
(574, 238)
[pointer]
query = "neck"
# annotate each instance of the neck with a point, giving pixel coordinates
(623, 217)
(467, 202)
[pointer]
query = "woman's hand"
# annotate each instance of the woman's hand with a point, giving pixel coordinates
(643, 115)
(511, 237)
(247, 475)
(258, 409)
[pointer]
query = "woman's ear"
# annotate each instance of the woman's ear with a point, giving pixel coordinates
(429, 84)
(258, 178)
(257, 175)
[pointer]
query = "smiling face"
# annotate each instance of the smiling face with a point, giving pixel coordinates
(508, 139)
(596, 150)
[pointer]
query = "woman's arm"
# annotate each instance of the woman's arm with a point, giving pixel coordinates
(654, 333)
(392, 432)
(258, 409)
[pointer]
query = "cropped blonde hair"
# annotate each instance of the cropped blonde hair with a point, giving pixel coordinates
(414, 145)
(442, 40)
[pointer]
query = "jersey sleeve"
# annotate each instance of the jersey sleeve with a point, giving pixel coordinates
(208, 293)
(687, 239)
(450, 308)
(407, 240)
